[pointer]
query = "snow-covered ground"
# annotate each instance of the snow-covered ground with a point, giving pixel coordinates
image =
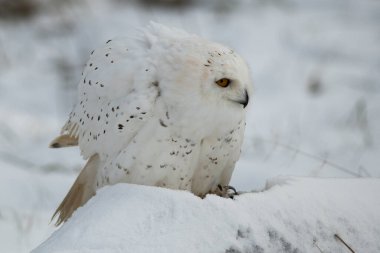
(315, 111)
(293, 215)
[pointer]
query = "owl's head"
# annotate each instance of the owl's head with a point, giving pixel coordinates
(203, 84)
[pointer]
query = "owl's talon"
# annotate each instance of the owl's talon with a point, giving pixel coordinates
(230, 194)
(229, 187)
(227, 191)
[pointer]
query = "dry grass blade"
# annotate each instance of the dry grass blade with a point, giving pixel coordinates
(342, 241)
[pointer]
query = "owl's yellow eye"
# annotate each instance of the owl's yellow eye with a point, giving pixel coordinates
(224, 82)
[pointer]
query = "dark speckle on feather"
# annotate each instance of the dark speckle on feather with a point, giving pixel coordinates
(162, 123)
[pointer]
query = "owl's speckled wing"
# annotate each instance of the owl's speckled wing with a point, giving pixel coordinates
(115, 97)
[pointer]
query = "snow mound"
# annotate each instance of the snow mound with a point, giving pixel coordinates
(290, 215)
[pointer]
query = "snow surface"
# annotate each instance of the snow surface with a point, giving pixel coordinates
(290, 45)
(290, 215)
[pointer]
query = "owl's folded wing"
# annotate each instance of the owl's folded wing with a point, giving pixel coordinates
(116, 96)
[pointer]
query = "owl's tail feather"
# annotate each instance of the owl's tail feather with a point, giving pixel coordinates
(82, 190)
(63, 141)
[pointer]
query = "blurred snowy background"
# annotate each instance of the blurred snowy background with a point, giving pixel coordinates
(315, 111)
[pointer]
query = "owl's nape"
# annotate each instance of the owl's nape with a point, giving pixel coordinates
(183, 133)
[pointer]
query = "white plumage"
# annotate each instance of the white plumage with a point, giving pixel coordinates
(164, 109)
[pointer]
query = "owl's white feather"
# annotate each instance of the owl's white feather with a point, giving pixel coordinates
(150, 109)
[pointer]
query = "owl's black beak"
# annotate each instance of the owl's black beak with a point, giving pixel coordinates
(246, 100)
(243, 100)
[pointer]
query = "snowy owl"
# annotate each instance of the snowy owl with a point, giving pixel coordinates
(165, 108)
